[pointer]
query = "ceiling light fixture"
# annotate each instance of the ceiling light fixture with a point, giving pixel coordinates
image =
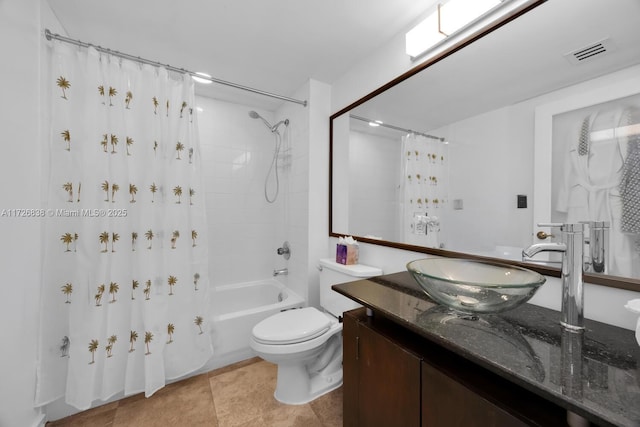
(202, 78)
(455, 20)
(375, 123)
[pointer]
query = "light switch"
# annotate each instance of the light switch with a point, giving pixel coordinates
(522, 201)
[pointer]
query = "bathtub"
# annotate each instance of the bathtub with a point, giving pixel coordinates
(236, 309)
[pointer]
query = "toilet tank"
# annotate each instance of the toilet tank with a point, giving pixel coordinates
(333, 273)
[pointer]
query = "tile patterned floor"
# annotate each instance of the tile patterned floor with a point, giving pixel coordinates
(240, 395)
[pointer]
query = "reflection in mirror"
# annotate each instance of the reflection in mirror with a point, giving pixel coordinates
(596, 176)
(504, 113)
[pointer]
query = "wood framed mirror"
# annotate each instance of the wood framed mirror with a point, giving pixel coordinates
(464, 165)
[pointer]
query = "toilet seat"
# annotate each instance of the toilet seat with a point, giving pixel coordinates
(292, 326)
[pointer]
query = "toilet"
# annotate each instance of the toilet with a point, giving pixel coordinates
(306, 343)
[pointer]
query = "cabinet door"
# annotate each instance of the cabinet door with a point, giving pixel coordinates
(381, 379)
(446, 402)
(389, 382)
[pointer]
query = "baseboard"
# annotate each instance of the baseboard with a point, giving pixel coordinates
(40, 421)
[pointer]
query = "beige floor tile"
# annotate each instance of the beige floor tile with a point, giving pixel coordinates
(244, 394)
(235, 366)
(102, 416)
(328, 408)
(186, 403)
(255, 422)
(291, 416)
(240, 395)
(246, 378)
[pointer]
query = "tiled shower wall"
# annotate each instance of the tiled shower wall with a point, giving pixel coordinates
(243, 228)
(294, 226)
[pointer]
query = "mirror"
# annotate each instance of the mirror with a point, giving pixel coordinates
(475, 145)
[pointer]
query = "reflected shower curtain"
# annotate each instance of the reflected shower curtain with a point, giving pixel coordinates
(124, 289)
(424, 188)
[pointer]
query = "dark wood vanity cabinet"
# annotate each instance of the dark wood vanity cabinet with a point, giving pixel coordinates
(381, 378)
(393, 377)
(446, 402)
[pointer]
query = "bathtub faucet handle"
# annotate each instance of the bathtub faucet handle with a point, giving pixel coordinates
(285, 250)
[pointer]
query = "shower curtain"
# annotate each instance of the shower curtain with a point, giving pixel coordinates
(424, 185)
(124, 289)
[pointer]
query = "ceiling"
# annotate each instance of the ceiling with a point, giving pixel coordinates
(274, 46)
(522, 60)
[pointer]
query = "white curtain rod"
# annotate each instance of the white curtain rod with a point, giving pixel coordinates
(385, 125)
(49, 35)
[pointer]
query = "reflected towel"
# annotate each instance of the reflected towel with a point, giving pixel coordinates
(583, 143)
(630, 182)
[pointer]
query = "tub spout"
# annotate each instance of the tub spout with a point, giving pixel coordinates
(283, 271)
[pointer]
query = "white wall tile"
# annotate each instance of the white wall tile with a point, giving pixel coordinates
(237, 151)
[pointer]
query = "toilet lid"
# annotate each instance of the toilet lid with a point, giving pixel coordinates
(292, 326)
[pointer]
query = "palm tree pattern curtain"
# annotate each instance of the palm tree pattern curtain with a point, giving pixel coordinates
(124, 289)
(424, 188)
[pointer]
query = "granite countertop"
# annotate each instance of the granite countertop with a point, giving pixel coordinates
(595, 374)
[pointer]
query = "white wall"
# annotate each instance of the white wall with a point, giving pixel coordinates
(319, 111)
(20, 41)
(490, 164)
(386, 63)
(374, 176)
(495, 150)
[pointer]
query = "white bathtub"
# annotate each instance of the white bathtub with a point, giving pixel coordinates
(236, 309)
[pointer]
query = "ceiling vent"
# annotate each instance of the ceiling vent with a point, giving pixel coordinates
(590, 52)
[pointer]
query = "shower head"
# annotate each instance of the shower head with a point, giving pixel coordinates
(255, 115)
(273, 128)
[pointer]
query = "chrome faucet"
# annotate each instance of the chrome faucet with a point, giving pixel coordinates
(572, 248)
(532, 250)
(283, 271)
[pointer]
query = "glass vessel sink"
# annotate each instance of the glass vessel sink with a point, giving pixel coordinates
(475, 287)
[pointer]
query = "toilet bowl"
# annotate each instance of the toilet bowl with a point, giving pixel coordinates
(306, 343)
